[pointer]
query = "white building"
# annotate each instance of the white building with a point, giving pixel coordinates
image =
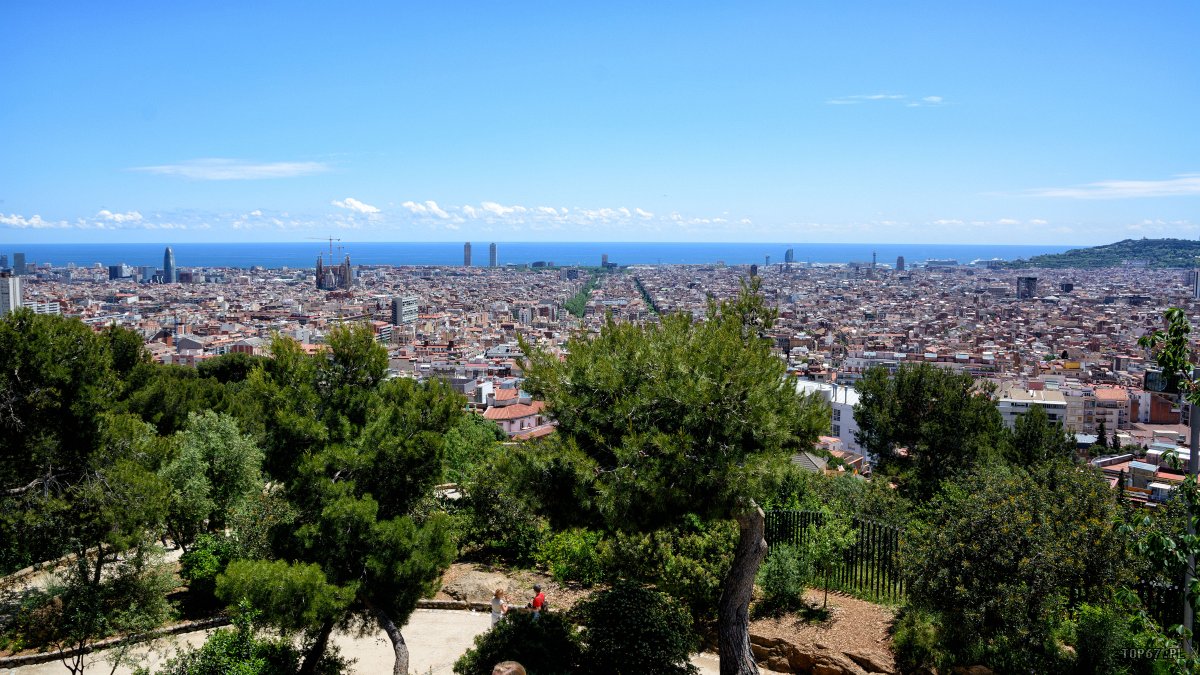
(10, 294)
(842, 399)
(1015, 401)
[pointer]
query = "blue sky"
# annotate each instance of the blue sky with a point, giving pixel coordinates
(955, 122)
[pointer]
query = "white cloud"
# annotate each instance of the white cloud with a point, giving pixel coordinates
(1008, 221)
(352, 204)
(858, 98)
(1187, 184)
(501, 210)
(234, 169)
(904, 99)
(1038, 221)
(436, 210)
(643, 214)
(257, 213)
(109, 216)
(948, 221)
(34, 223)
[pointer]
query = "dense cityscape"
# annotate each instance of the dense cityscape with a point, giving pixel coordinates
(765, 337)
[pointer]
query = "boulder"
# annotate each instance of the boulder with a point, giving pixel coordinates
(828, 663)
(477, 586)
(779, 664)
(800, 660)
(872, 662)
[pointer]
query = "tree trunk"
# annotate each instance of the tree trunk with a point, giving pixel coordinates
(399, 647)
(733, 618)
(317, 650)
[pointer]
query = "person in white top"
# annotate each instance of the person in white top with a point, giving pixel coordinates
(499, 606)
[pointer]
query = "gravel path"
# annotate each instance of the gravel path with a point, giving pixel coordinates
(436, 638)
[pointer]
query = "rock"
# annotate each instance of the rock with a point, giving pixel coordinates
(828, 663)
(800, 660)
(477, 586)
(779, 664)
(872, 662)
(760, 652)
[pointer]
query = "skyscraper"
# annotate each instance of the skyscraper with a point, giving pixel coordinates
(492, 255)
(604, 260)
(3, 260)
(789, 256)
(10, 293)
(404, 309)
(899, 263)
(170, 274)
(1026, 288)
(19, 268)
(467, 254)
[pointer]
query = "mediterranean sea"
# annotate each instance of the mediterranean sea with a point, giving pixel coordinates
(304, 254)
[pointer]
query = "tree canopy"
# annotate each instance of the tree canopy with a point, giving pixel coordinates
(678, 417)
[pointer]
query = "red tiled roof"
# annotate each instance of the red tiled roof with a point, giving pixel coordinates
(515, 411)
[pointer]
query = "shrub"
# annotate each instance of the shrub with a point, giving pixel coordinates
(209, 556)
(503, 525)
(632, 629)
(916, 641)
(783, 578)
(240, 652)
(548, 645)
(574, 555)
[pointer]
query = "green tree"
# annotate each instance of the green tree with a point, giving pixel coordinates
(231, 460)
(944, 421)
(826, 543)
(467, 446)
(1035, 439)
(365, 452)
(999, 552)
(632, 630)
(1102, 436)
(673, 418)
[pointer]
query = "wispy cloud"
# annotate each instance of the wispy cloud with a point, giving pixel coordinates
(904, 99)
(104, 220)
(352, 204)
(1187, 184)
(235, 169)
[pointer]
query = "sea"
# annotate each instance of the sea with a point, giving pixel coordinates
(304, 254)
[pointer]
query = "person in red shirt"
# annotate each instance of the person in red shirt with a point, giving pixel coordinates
(539, 601)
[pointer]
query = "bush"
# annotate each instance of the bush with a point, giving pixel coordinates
(574, 555)
(503, 525)
(548, 645)
(632, 629)
(998, 552)
(199, 567)
(783, 579)
(239, 652)
(916, 641)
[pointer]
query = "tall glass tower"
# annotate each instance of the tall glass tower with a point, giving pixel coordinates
(170, 275)
(467, 254)
(492, 255)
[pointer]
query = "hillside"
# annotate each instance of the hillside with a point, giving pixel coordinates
(1155, 252)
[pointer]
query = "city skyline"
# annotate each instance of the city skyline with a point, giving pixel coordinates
(763, 123)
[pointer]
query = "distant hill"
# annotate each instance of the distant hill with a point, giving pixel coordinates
(1154, 252)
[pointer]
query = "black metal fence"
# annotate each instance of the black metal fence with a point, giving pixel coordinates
(871, 566)
(1163, 602)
